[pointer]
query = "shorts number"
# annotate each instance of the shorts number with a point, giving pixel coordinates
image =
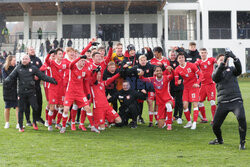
(193, 95)
(85, 99)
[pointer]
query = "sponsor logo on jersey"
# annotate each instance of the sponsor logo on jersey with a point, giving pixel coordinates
(83, 74)
(64, 66)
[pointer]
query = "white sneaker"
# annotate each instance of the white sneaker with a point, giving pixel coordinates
(17, 126)
(188, 125)
(179, 121)
(7, 125)
(156, 122)
(46, 123)
(193, 126)
(50, 128)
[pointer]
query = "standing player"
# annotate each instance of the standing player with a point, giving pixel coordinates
(75, 93)
(56, 93)
(164, 100)
(207, 89)
(189, 71)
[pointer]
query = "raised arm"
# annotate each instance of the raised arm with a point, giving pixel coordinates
(12, 76)
(86, 48)
(110, 52)
(112, 79)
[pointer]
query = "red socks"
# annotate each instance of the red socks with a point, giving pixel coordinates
(196, 114)
(155, 114)
(187, 115)
(83, 116)
(47, 113)
(170, 117)
(90, 118)
(55, 113)
(151, 116)
(203, 112)
(73, 115)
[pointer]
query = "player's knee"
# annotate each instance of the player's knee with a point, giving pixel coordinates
(169, 107)
(161, 123)
(118, 120)
(212, 102)
(185, 110)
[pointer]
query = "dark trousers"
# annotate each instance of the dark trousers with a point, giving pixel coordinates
(178, 109)
(140, 105)
(22, 104)
(39, 100)
(128, 112)
(221, 113)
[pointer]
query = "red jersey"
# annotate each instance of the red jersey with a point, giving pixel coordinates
(47, 71)
(162, 88)
(67, 62)
(76, 82)
(207, 68)
(189, 74)
(57, 72)
(104, 63)
(164, 61)
(98, 91)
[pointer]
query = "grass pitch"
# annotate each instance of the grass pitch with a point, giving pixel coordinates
(124, 146)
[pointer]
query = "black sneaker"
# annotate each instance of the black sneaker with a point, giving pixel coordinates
(134, 125)
(141, 120)
(216, 141)
(28, 123)
(41, 121)
(242, 145)
(150, 124)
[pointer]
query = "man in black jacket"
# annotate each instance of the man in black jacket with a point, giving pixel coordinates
(228, 96)
(34, 60)
(128, 101)
(25, 74)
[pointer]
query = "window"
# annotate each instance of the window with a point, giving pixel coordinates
(243, 25)
(220, 25)
(217, 51)
(143, 30)
(76, 31)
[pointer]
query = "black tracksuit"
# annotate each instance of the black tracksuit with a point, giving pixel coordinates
(176, 92)
(27, 88)
(38, 63)
(111, 89)
(229, 98)
(129, 106)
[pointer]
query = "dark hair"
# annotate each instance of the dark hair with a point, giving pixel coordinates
(95, 53)
(192, 44)
(101, 48)
(58, 49)
(180, 54)
(89, 51)
(220, 55)
(203, 49)
(158, 49)
(158, 67)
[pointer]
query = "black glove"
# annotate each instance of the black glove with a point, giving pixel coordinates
(54, 81)
(52, 51)
(97, 69)
(88, 96)
(95, 43)
(110, 44)
(83, 57)
(96, 82)
(230, 54)
(226, 57)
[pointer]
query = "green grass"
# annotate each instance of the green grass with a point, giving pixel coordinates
(124, 146)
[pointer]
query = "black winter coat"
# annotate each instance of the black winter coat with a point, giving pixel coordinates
(226, 82)
(25, 76)
(9, 89)
(191, 56)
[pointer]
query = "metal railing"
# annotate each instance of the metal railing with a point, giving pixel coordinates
(44, 35)
(243, 33)
(220, 33)
(182, 34)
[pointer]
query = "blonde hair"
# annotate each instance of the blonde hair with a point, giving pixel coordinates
(68, 49)
(142, 56)
(8, 62)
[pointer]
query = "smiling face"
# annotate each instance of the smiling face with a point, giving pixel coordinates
(111, 68)
(59, 56)
(126, 86)
(132, 52)
(203, 54)
(13, 61)
(118, 50)
(97, 58)
(25, 60)
(99, 76)
(158, 72)
(143, 61)
(181, 60)
(31, 51)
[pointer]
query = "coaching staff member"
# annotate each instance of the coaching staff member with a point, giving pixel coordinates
(25, 73)
(228, 96)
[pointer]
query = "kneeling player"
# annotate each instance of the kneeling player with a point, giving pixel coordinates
(102, 110)
(164, 100)
(189, 71)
